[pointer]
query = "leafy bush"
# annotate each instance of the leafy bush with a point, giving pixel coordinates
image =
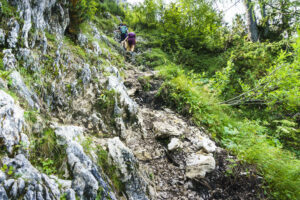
(80, 11)
(112, 7)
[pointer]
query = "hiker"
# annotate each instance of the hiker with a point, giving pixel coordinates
(124, 31)
(131, 41)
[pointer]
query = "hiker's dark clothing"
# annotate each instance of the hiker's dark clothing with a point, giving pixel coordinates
(124, 30)
(123, 36)
(131, 39)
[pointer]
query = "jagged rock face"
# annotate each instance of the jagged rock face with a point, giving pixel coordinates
(86, 74)
(31, 185)
(12, 123)
(87, 180)
(116, 83)
(96, 48)
(9, 60)
(42, 15)
(2, 37)
(52, 15)
(127, 164)
(13, 33)
(30, 61)
(20, 87)
(82, 40)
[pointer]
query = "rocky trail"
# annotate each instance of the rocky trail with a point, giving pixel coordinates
(181, 160)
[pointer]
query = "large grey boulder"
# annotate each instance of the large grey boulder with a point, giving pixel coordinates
(12, 123)
(87, 180)
(21, 89)
(127, 165)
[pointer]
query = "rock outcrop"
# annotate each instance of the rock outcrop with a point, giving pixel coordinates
(12, 123)
(87, 180)
(122, 157)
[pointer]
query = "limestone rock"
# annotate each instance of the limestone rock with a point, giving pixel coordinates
(12, 122)
(12, 38)
(86, 74)
(21, 89)
(9, 60)
(197, 165)
(126, 163)
(96, 48)
(116, 84)
(43, 14)
(82, 40)
(86, 177)
(3, 84)
(29, 60)
(2, 37)
(3, 194)
(30, 181)
(175, 143)
(166, 130)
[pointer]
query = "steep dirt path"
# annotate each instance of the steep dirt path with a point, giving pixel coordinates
(168, 168)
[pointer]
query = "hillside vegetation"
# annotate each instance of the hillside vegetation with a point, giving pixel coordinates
(83, 119)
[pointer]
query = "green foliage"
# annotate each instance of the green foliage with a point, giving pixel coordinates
(112, 7)
(110, 170)
(46, 154)
(152, 58)
(7, 10)
(106, 102)
(8, 170)
(80, 11)
(30, 116)
(48, 166)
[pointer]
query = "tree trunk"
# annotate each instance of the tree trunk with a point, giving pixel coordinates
(251, 21)
(265, 20)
